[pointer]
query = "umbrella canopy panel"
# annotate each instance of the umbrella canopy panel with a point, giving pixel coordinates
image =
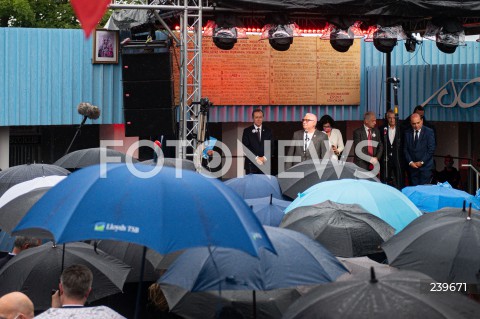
(444, 245)
(379, 199)
(36, 271)
(255, 186)
(345, 230)
(22, 173)
(402, 294)
(158, 210)
(299, 261)
(91, 156)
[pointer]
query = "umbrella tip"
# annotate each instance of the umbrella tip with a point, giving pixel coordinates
(373, 278)
(464, 203)
(469, 217)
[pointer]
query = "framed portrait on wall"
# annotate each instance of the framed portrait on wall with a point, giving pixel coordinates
(105, 46)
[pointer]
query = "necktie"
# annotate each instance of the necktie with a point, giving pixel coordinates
(306, 143)
(415, 138)
(258, 135)
(370, 146)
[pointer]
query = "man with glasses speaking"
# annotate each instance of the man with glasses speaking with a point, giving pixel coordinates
(312, 143)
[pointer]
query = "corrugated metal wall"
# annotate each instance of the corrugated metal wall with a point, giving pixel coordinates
(423, 73)
(47, 72)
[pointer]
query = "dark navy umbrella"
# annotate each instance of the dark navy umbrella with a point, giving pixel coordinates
(269, 210)
(136, 204)
(299, 261)
(255, 186)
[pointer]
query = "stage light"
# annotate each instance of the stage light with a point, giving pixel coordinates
(448, 33)
(341, 40)
(410, 45)
(279, 31)
(385, 38)
(225, 31)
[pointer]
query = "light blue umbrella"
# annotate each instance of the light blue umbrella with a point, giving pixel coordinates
(255, 186)
(268, 210)
(430, 198)
(163, 212)
(299, 261)
(379, 199)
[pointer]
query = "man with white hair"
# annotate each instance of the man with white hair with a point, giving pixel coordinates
(312, 140)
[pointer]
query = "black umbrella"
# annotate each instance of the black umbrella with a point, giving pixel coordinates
(309, 173)
(269, 304)
(172, 162)
(444, 245)
(346, 230)
(359, 268)
(132, 255)
(88, 157)
(36, 271)
(403, 294)
(21, 173)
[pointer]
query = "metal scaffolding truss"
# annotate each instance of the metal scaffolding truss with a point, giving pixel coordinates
(190, 43)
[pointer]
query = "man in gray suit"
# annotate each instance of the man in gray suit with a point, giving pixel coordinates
(371, 149)
(312, 141)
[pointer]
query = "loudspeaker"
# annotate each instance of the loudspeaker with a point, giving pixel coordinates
(149, 122)
(147, 95)
(146, 67)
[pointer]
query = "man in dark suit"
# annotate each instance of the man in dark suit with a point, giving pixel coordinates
(369, 142)
(392, 139)
(257, 138)
(21, 243)
(312, 143)
(419, 148)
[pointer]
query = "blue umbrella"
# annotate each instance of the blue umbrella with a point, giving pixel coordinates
(299, 261)
(430, 198)
(163, 212)
(381, 200)
(268, 210)
(255, 186)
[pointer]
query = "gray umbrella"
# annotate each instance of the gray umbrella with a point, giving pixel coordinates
(12, 212)
(21, 173)
(346, 230)
(36, 271)
(403, 294)
(310, 173)
(172, 162)
(89, 157)
(444, 245)
(359, 267)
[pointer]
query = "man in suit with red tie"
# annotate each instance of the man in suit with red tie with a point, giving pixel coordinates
(254, 140)
(370, 148)
(419, 148)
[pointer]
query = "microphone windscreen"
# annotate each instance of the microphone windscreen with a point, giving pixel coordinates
(88, 110)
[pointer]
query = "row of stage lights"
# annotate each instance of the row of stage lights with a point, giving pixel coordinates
(447, 33)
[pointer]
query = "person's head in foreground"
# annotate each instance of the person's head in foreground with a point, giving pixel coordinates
(16, 305)
(75, 286)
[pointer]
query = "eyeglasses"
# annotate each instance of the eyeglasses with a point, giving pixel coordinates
(307, 120)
